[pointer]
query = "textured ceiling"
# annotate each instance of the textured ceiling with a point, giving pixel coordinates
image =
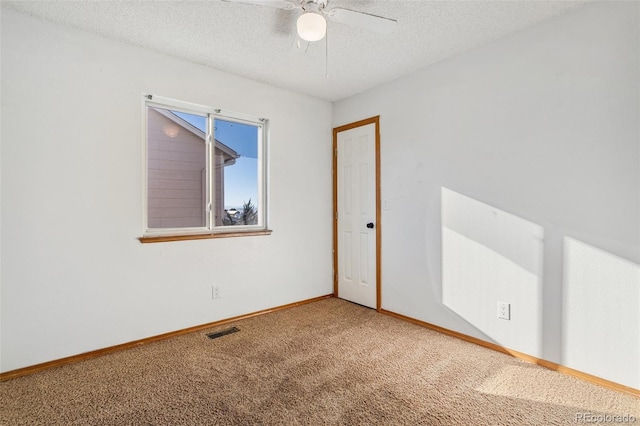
(256, 42)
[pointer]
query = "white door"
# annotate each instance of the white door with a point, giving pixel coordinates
(356, 215)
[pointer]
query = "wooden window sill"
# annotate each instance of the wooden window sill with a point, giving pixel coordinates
(167, 238)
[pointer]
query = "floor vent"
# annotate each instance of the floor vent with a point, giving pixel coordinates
(223, 333)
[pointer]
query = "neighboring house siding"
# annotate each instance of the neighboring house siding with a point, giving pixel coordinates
(176, 168)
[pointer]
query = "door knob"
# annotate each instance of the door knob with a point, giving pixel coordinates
(370, 225)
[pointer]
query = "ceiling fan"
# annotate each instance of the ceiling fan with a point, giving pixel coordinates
(312, 24)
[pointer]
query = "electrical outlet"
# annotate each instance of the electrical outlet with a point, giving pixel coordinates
(215, 292)
(504, 310)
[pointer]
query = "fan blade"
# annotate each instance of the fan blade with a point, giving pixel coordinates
(363, 20)
(278, 4)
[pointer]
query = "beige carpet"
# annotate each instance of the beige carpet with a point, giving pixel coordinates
(329, 362)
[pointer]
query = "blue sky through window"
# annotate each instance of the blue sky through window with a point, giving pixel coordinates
(240, 179)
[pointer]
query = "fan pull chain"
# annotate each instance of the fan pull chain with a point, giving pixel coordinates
(326, 54)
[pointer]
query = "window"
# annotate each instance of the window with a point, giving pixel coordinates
(205, 171)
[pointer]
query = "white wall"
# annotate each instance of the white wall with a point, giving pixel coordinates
(74, 276)
(533, 144)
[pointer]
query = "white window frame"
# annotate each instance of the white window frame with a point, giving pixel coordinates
(211, 115)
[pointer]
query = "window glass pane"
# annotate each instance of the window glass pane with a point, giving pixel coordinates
(236, 173)
(177, 161)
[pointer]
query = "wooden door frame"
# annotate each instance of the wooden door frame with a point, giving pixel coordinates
(373, 120)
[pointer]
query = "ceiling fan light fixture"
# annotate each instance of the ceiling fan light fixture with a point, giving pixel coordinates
(311, 26)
